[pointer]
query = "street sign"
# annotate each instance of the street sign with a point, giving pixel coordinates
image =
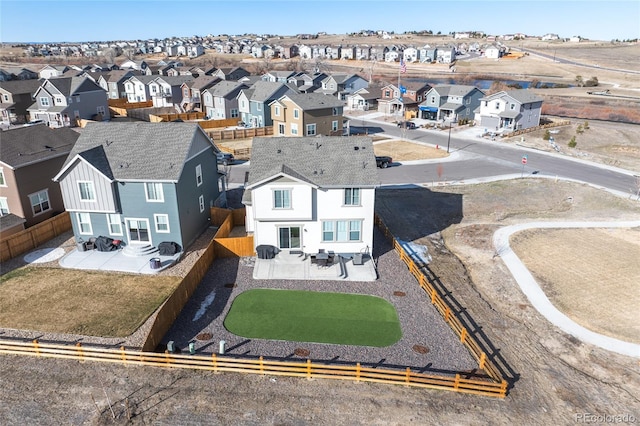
(524, 159)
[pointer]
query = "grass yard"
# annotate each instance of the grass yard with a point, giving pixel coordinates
(306, 316)
(59, 300)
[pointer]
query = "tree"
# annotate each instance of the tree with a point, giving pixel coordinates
(579, 81)
(592, 82)
(572, 143)
(547, 135)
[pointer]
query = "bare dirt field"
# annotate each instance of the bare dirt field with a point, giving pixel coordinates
(406, 151)
(604, 295)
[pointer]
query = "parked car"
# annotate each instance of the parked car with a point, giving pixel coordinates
(225, 158)
(407, 124)
(383, 161)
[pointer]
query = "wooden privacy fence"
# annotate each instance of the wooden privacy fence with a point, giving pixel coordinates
(182, 116)
(226, 246)
(220, 135)
(446, 311)
(23, 241)
(172, 307)
(306, 369)
(123, 103)
(217, 124)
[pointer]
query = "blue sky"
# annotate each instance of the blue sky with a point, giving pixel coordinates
(94, 20)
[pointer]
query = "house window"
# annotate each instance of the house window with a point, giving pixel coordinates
(497, 105)
(335, 111)
(334, 125)
(281, 129)
(4, 206)
(513, 106)
(352, 196)
(433, 99)
(77, 98)
(100, 109)
(296, 113)
(115, 226)
(468, 101)
(387, 93)
(59, 101)
(281, 198)
(311, 129)
(44, 102)
(259, 107)
(6, 98)
(39, 202)
(294, 129)
(2, 181)
(84, 223)
(199, 175)
(234, 113)
(289, 237)
(201, 203)
(153, 192)
(162, 223)
(87, 192)
(276, 111)
(486, 103)
(341, 230)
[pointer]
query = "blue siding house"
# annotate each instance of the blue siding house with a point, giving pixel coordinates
(141, 183)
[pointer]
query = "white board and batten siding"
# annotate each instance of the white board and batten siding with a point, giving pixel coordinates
(103, 189)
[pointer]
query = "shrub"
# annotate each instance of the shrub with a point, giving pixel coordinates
(547, 135)
(586, 125)
(572, 143)
(579, 129)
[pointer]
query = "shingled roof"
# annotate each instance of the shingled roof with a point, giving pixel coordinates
(33, 144)
(323, 161)
(136, 151)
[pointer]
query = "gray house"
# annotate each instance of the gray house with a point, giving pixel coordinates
(253, 103)
(60, 102)
(141, 183)
(221, 100)
(450, 102)
(510, 110)
(15, 97)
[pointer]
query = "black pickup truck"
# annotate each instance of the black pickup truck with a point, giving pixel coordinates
(383, 161)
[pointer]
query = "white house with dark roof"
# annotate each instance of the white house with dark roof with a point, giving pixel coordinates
(312, 194)
(510, 110)
(450, 102)
(141, 183)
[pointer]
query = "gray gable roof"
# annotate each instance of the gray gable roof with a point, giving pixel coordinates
(137, 151)
(454, 89)
(324, 161)
(33, 144)
(313, 101)
(265, 90)
(224, 88)
(71, 85)
(523, 96)
(21, 86)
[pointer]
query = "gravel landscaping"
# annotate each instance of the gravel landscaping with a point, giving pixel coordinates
(422, 326)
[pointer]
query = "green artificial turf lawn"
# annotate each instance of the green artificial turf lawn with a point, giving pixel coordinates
(308, 316)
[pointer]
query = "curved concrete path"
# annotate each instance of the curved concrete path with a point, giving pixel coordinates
(539, 300)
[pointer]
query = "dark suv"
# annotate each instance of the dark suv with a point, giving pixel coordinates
(225, 158)
(383, 161)
(407, 124)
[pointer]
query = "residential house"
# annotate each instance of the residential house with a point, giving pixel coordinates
(289, 52)
(445, 54)
(363, 52)
(192, 91)
(230, 73)
(341, 85)
(307, 114)
(113, 82)
(450, 102)
(195, 50)
(141, 183)
(304, 51)
(307, 83)
(50, 71)
(493, 52)
(413, 93)
(333, 52)
(16, 96)
(364, 99)
(510, 110)
(136, 65)
(312, 194)
(391, 56)
(427, 54)
(253, 103)
(348, 52)
(278, 76)
(137, 88)
(390, 101)
(60, 102)
(221, 100)
(29, 158)
(167, 91)
(411, 54)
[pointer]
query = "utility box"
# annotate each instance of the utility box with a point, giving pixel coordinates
(358, 259)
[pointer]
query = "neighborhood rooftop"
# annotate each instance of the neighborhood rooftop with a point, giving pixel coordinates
(325, 161)
(137, 151)
(32, 144)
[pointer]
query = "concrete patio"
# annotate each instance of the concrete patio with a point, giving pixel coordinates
(115, 261)
(299, 267)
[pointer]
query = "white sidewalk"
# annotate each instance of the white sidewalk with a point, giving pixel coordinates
(539, 300)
